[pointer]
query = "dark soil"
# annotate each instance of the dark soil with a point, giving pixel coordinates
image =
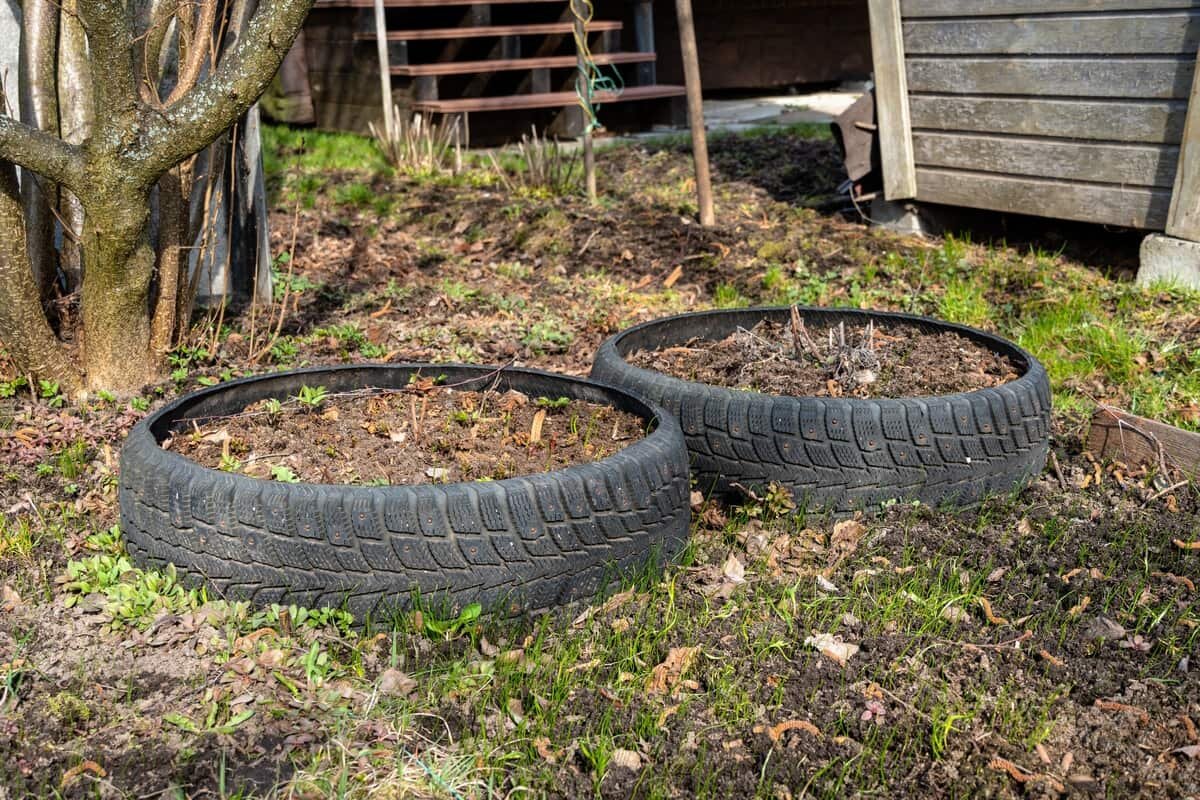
(413, 436)
(896, 361)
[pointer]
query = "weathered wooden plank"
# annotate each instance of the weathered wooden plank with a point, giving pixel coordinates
(891, 100)
(985, 8)
(1168, 33)
(1132, 164)
(1183, 219)
(1121, 436)
(1150, 78)
(1106, 204)
(1154, 121)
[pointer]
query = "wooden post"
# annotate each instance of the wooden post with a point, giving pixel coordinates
(578, 11)
(891, 100)
(695, 101)
(1183, 218)
(385, 70)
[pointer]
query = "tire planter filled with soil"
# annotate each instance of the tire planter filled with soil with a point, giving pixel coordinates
(842, 453)
(521, 543)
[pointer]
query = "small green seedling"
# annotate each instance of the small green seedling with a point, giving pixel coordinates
(49, 391)
(283, 474)
(553, 403)
(10, 388)
(312, 397)
(453, 628)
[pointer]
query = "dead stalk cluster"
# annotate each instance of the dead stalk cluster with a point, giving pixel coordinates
(418, 145)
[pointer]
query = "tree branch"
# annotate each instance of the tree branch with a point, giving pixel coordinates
(109, 25)
(40, 152)
(197, 118)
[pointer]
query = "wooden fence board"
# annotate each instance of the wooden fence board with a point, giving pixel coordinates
(1106, 204)
(1158, 121)
(1110, 34)
(1153, 78)
(1131, 164)
(891, 100)
(981, 8)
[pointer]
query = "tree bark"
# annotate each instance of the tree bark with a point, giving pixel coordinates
(77, 111)
(39, 109)
(172, 230)
(27, 335)
(116, 292)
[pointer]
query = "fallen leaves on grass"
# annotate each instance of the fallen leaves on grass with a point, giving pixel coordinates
(832, 647)
(667, 675)
(1191, 751)
(843, 542)
(542, 745)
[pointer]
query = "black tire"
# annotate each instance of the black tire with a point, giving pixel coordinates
(842, 455)
(520, 544)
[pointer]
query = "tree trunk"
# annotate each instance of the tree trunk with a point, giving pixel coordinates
(115, 304)
(76, 114)
(28, 337)
(39, 109)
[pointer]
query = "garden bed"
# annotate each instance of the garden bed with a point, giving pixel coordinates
(422, 435)
(888, 360)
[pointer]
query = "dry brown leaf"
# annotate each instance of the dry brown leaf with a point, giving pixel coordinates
(987, 611)
(1024, 527)
(395, 683)
(542, 745)
(832, 647)
(9, 599)
(996, 574)
(516, 710)
(734, 570)
(625, 759)
(535, 430)
(667, 674)
(330, 414)
(1191, 751)
(776, 732)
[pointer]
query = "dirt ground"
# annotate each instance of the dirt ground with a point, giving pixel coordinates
(1041, 645)
(427, 434)
(883, 361)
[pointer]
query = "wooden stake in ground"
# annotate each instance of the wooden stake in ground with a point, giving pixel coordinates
(385, 71)
(695, 101)
(580, 12)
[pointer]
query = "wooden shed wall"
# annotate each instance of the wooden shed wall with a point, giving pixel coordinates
(1064, 108)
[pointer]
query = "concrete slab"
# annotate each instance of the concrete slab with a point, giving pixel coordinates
(1171, 260)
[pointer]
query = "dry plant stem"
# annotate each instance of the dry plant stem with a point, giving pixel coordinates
(278, 326)
(801, 339)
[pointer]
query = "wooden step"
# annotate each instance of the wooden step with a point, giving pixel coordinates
(421, 3)
(542, 100)
(512, 64)
(478, 31)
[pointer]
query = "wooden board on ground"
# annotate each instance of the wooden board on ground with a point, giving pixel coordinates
(1121, 436)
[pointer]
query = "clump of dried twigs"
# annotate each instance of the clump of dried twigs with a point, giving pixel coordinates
(548, 166)
(417, 145)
